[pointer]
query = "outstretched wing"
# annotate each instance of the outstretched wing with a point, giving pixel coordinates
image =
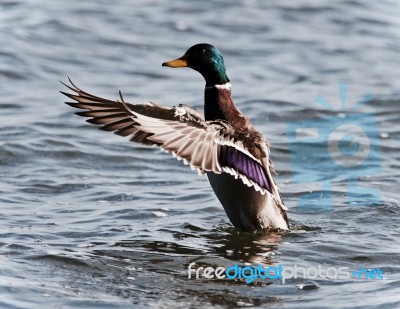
(114, 116)
(206, 145)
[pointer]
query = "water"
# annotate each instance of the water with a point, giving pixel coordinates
(89, 220)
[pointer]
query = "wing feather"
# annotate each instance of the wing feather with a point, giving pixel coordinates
(206, 146)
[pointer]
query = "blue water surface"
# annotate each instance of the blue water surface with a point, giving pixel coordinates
(89, 220)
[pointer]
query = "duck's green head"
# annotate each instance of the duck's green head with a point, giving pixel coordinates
(205, 59)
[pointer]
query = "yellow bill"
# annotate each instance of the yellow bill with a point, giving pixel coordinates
(177, 63)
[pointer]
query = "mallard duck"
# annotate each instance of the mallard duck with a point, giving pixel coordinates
(223, 144)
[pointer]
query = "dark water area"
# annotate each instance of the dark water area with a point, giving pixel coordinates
(89, 220)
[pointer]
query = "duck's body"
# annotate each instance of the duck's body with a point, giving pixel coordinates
(223, 144)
